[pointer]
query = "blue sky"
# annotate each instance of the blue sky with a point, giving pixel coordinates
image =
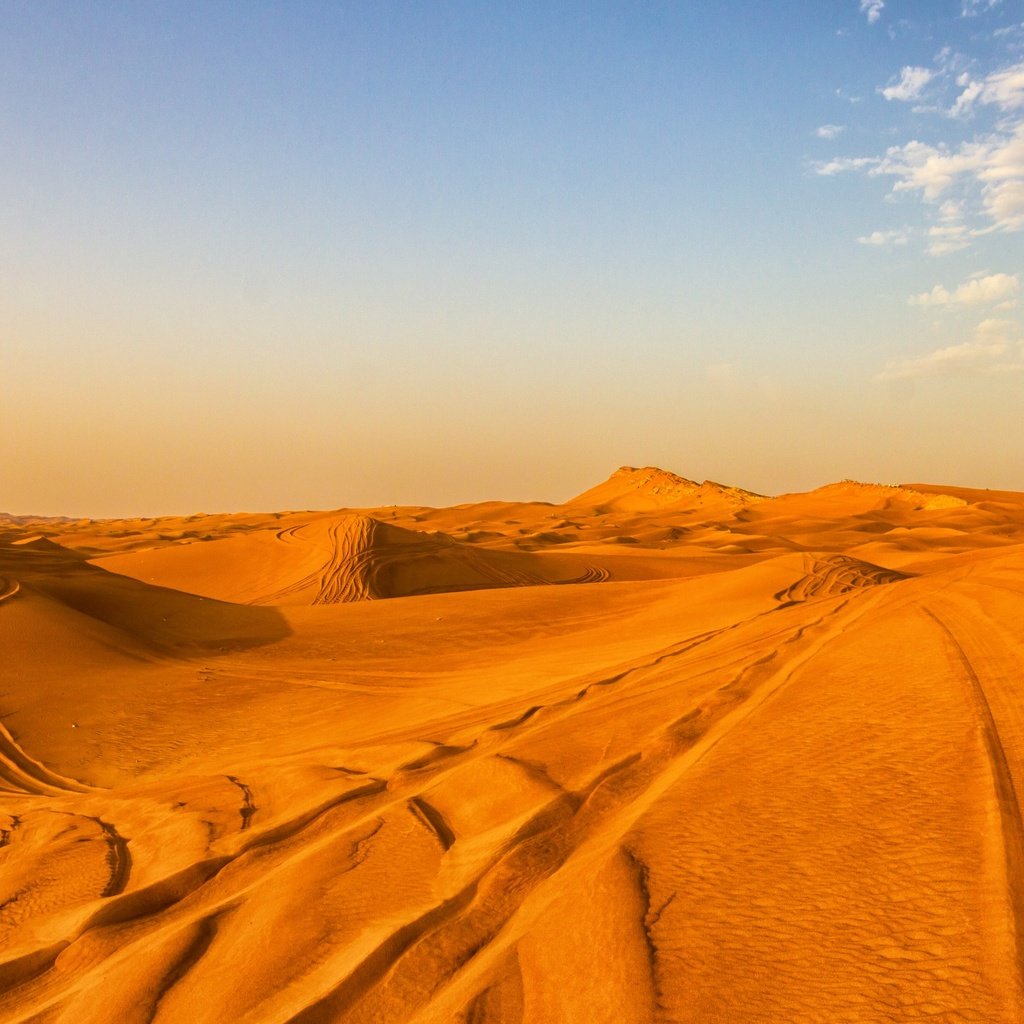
(322, 254)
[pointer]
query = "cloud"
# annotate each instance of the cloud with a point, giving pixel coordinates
(873, 9)
(1005, 88)
(892, 237)
(829, 131)
(1003, 178)
(994, 348)
(944, 239)
(1002, 89)
(991, 167)
(977, 292)
(912, 82)
(844, 163)
(995, 163)
(929, 169)
(972, 8)
(1004, 203)
(965, 101)
(970, 182)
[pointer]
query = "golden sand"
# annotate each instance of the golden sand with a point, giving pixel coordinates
(671, 751)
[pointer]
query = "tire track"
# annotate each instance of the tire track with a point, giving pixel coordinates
(616, 803)
(248, 808)
(574, 829)
(568, 827)
(1011, 824)
(592, 574)
(119, 859)
(837, 574)
(21, 773)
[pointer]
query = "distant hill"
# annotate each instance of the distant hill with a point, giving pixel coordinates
(630, 489)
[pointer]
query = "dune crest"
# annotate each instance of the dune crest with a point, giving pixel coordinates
(630, 489)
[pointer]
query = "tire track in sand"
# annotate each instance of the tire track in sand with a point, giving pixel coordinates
(21, 773)
(1010, 822)
(464, 936)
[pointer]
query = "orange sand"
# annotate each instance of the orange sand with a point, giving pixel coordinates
(667, 752)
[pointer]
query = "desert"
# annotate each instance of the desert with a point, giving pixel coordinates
(344, 679)
(667, 751)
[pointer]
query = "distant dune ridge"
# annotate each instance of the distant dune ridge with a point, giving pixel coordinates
(669, 751)
(641, 490)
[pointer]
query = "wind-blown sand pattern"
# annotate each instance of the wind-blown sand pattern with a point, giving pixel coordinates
(667, 752)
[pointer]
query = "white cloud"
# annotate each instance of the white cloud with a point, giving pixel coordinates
(844, 163)
(965, 101)
(990, 168)
(996, 163)
(1003, 178)
(951, 210)
(1009, 30)
(944, 239)
(912, 81)
(975, 292)
(885, 238)
(1003, 89)
(971, 182)
(873, 9)
(971, 8)
(1004, 203)
(829, 131)
(930, 169)
(994, 348)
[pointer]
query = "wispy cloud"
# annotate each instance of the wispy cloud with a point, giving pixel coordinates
(944, 239)
(879, 238)
(829, 131)
(911, 83)
(966, 162)
(1002, 89)
(979, 291)
(991, 167)
(1009, 30)
(844, 163)
(995, 347)
(972, 8)
(918, 166)
(873, 9)
(995, 165)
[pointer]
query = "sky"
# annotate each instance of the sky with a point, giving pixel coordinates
(264, 256)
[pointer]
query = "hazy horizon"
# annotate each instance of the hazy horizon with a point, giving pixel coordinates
(329, 255)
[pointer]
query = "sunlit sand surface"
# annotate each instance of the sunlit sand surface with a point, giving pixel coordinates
(666, 752)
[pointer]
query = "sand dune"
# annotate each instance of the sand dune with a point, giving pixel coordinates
(630, 489)
(760, 762)
(336, 560)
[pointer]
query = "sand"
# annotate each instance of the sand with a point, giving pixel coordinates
(670, 751)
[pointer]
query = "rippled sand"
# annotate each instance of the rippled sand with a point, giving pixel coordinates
(667, 752)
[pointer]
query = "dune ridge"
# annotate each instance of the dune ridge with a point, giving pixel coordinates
(667, 752)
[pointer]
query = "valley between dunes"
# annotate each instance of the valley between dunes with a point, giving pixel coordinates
(668, 751)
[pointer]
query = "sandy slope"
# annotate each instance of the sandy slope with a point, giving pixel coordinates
(759, 762)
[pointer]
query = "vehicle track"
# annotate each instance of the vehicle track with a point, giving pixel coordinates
(21, 773)
(972, 647)
(837, 574)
